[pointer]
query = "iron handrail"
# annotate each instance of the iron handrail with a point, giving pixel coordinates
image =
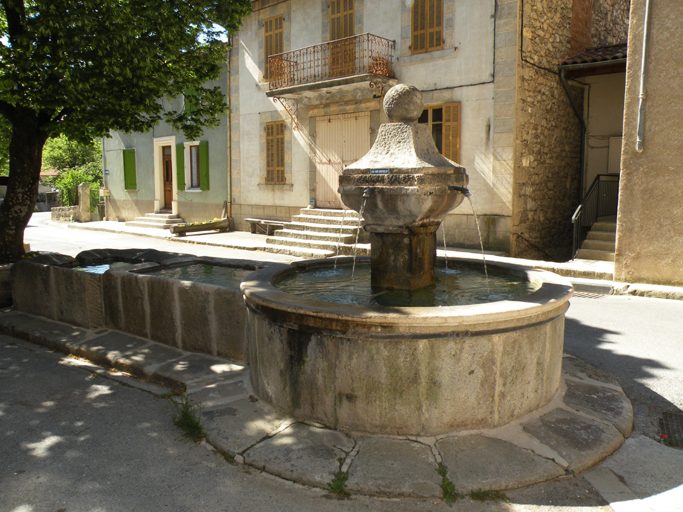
(601, 200)
(349, 56)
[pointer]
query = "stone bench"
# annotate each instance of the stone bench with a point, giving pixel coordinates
(266, 226)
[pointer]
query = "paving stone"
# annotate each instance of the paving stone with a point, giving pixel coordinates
(197, 366)
(603, 403)
(580, 369)
(476, 462)
(302, 453)
(42, 331)
(579, 440)
(218, 393)
(112, 348)
(240, 425)
(394, 467)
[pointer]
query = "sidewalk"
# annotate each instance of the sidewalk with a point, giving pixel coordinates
(587, 276)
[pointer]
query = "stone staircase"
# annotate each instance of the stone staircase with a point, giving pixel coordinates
(155, 220)
(599, 244)
(315, 233)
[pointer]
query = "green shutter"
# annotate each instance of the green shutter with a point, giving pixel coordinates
(204, 165)
(129, 175)
(180, 165)
(190, 96)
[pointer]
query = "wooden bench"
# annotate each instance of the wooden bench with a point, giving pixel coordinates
(265, 226)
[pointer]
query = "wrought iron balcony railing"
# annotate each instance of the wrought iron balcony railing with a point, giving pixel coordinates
(364, 54)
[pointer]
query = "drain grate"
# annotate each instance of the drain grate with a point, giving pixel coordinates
(671, 429)
(589, 295)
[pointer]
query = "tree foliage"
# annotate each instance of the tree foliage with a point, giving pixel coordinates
(75, 162)
(84, 67)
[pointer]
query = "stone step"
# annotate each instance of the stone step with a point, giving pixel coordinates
(345, 249)
(326, 219)
(298, 251)
(322, 212)
(599, 245)
(604, 236)
(592, 254)
(610, 227)
(152, 225)
(320, 236)
(346, 229)
(160, 216)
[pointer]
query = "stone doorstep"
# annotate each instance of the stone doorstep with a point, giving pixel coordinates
(571, 434)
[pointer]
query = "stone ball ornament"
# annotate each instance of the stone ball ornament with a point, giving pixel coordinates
(403, 104)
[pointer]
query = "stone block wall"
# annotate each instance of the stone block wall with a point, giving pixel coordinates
(548, 135)
(64, 213)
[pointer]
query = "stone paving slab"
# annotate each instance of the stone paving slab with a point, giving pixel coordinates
(112, 349)
(579, 440)
(302, 453)
(41, 331)
(483, 463)
(218, 394)
(190, 367)
(581, 370)
(600, 402)
(236, 427)
(393, 467)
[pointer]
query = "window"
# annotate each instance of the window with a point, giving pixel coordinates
(275, 153)
(273, 44)
(444, 122)
(342, 53)
(129, 174)
(427, 26)
(193, 156)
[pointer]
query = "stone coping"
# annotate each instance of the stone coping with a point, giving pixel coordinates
(587, 421)
(548, 301)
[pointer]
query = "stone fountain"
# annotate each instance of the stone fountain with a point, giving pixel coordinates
(404, 370)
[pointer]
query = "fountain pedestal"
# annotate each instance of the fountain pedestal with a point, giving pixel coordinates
(403, 188)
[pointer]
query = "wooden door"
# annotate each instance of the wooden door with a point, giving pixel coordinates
(342, 53)
(340, 141)
(167, 166)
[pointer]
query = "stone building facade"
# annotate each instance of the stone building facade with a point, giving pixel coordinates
(492, 65)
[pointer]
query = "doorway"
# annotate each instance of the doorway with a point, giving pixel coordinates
(341, 140)
(167, 166)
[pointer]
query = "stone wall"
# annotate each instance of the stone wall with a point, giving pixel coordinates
(610, 22)
(548, 137)
(64, 213)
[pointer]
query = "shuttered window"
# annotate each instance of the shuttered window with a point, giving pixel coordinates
(341, 19)
(129, 175)
(444, 123)
(427, 26)
(203, 165)
(180, 165)
(275, 153)
(273, 44)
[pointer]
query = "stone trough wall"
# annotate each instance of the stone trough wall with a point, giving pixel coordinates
(191, 316)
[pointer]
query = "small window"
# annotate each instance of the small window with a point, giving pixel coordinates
(275, 153)
(274, 41)
(444, 123)
(427, 26)
(194, 167)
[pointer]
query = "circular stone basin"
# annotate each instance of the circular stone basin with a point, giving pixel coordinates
(405, 370)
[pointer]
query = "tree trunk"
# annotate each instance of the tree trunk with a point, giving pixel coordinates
(25, 158)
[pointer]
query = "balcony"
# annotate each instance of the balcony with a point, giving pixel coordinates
(361, 59)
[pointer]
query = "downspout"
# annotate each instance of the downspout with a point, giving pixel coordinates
(229, 141)
(579, 116)
(643, 77)
(105, 182)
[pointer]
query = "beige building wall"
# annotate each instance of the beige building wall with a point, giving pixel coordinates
(650, 218)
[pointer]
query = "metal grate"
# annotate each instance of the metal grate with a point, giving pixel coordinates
(589, 295)
(671, 429)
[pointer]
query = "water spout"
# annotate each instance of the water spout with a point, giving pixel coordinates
(462, 190)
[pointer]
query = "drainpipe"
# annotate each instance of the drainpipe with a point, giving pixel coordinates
(643, 77)
(229, 122)
(579, 116)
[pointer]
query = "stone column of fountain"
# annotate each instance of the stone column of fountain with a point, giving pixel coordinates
(404, 189)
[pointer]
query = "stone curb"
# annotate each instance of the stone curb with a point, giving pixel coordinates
(585, 423)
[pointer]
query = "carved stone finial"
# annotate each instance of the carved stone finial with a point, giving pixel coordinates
(403, 104)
